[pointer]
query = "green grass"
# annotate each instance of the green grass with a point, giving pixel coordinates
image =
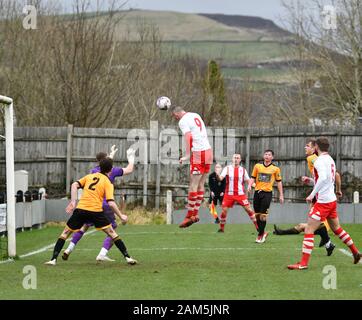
(196, 263)
(233, 52)
(259, 74)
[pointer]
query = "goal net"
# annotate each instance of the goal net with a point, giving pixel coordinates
(7, 192)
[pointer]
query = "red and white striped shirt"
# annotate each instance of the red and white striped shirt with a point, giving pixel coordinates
(235, 178)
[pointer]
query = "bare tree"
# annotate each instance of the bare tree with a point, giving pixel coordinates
(329, 48)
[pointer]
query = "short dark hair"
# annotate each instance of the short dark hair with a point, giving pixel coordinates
(323, 144)
(100, 156)
(175, 109)
(269, 150)
(312, 141)
(106, 165)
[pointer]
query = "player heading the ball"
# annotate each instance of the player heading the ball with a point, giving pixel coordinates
(199, 151)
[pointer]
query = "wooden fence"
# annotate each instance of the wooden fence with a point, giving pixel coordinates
(54, 157)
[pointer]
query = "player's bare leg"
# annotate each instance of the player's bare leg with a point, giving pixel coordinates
(119, 244)
(345, 237)
(200, 194)
(308, 244)
(59, 246)
(75, 239)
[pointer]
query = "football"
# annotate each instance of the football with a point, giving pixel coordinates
(163, 103)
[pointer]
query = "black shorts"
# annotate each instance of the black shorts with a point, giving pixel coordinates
(215, 199)
(262, 200)
(80, 217)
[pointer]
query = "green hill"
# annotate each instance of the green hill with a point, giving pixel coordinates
(176, 26)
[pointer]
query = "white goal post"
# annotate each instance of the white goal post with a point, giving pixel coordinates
(10, 180)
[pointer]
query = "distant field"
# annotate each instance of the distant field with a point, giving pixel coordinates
(231, 52)
(259, 74)
(196, 263)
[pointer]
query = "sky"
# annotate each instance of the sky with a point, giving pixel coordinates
(269, 9)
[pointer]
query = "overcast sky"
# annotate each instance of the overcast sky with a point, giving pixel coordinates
(270, 9)
(263, 8)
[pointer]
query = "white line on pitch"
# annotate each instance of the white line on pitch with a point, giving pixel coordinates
(347, 253)
(183, 248)
(41, 249)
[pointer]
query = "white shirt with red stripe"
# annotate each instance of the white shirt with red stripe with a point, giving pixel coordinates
(324, 179)
(192, 122)
(235, 178)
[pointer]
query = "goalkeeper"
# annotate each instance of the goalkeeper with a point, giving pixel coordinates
(116, 172)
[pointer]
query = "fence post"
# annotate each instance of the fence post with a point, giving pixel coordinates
(338, 152)
(355, 202)
(69, 158)
(158, 173)
(169, 207)
(145, 175)
(247, 147)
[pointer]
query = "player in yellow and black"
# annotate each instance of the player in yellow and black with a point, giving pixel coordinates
(264, 175)
(96, 187)
(324, 227)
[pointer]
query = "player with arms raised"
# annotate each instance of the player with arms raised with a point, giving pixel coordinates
(96, 187)
(325, 207)
(199, 151)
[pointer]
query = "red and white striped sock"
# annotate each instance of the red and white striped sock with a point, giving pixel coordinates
(308, 244)
(223, 219)
(345, 237)
(252, 217)
(199, 199)
(191, 204)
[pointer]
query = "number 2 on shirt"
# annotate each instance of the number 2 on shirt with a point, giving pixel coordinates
(198, 123)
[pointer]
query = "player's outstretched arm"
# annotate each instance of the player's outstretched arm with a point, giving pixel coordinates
(338, 185)
(251, 183)
(113, 152)
(116, 210)
(73, 198)
(131, 153)
(188, 147)
(280, 189)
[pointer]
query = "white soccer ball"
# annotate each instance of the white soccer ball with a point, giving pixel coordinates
(163, 103)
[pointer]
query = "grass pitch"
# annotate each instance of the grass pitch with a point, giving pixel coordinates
(194, 263)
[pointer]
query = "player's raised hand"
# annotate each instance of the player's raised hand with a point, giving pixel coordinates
(113, 151)
(131, 154)
(70, 207)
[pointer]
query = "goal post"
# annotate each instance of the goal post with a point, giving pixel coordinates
(7, 103)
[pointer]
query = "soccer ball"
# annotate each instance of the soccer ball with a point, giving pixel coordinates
(163, 103)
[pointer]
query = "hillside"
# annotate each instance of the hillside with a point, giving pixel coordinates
(247, 47)
(176, 26)
(249, 22)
